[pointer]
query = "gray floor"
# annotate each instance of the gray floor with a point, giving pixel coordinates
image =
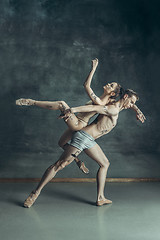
(67, 211)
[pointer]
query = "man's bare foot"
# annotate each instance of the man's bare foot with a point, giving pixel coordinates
(103, 201)
(82, 166)
(31, 199)
(24, 102)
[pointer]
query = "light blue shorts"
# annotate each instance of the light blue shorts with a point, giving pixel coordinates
(82, 140)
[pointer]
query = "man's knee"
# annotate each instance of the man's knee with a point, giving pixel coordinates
(106, 164)
(61, 164)
(52, 167)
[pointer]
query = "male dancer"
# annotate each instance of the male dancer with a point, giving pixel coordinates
(110, 93)
(85, 140)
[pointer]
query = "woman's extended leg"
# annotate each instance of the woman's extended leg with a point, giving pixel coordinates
(72, 121)
(97, 154)
(65, 159)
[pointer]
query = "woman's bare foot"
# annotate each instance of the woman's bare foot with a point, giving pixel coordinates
(25, 102)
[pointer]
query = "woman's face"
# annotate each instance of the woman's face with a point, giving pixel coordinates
(110, 87)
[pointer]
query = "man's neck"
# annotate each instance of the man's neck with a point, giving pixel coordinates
(120, 104)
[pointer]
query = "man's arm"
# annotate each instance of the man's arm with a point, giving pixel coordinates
(87, 84)
(140, 116)
(105, 110)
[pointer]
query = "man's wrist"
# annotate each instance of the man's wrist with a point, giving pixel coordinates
(72, 110)
(134, 107)
(137, 109)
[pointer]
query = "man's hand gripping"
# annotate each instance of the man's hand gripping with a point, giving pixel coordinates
(66, 114)
(139, 115)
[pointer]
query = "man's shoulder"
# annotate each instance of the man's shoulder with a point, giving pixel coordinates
(112, 109)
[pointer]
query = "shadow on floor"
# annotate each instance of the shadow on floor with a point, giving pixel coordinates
(69, 196)
(56, 194)
(15, 202)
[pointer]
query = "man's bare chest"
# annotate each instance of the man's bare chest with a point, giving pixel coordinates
(105, 123)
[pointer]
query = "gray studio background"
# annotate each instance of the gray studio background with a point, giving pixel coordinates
(46, 48)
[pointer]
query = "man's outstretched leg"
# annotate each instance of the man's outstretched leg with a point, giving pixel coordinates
(65, 159)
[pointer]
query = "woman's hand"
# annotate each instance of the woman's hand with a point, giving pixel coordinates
(94, 63)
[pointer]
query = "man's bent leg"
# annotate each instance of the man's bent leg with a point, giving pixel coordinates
(65, 159)
(97, 154)
(63, 143)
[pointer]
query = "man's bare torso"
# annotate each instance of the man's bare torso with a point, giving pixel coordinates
(85, 116)
(102, 125)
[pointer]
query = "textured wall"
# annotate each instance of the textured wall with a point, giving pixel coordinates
(46, 47)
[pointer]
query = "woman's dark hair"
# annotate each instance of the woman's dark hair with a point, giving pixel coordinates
(119, 93)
